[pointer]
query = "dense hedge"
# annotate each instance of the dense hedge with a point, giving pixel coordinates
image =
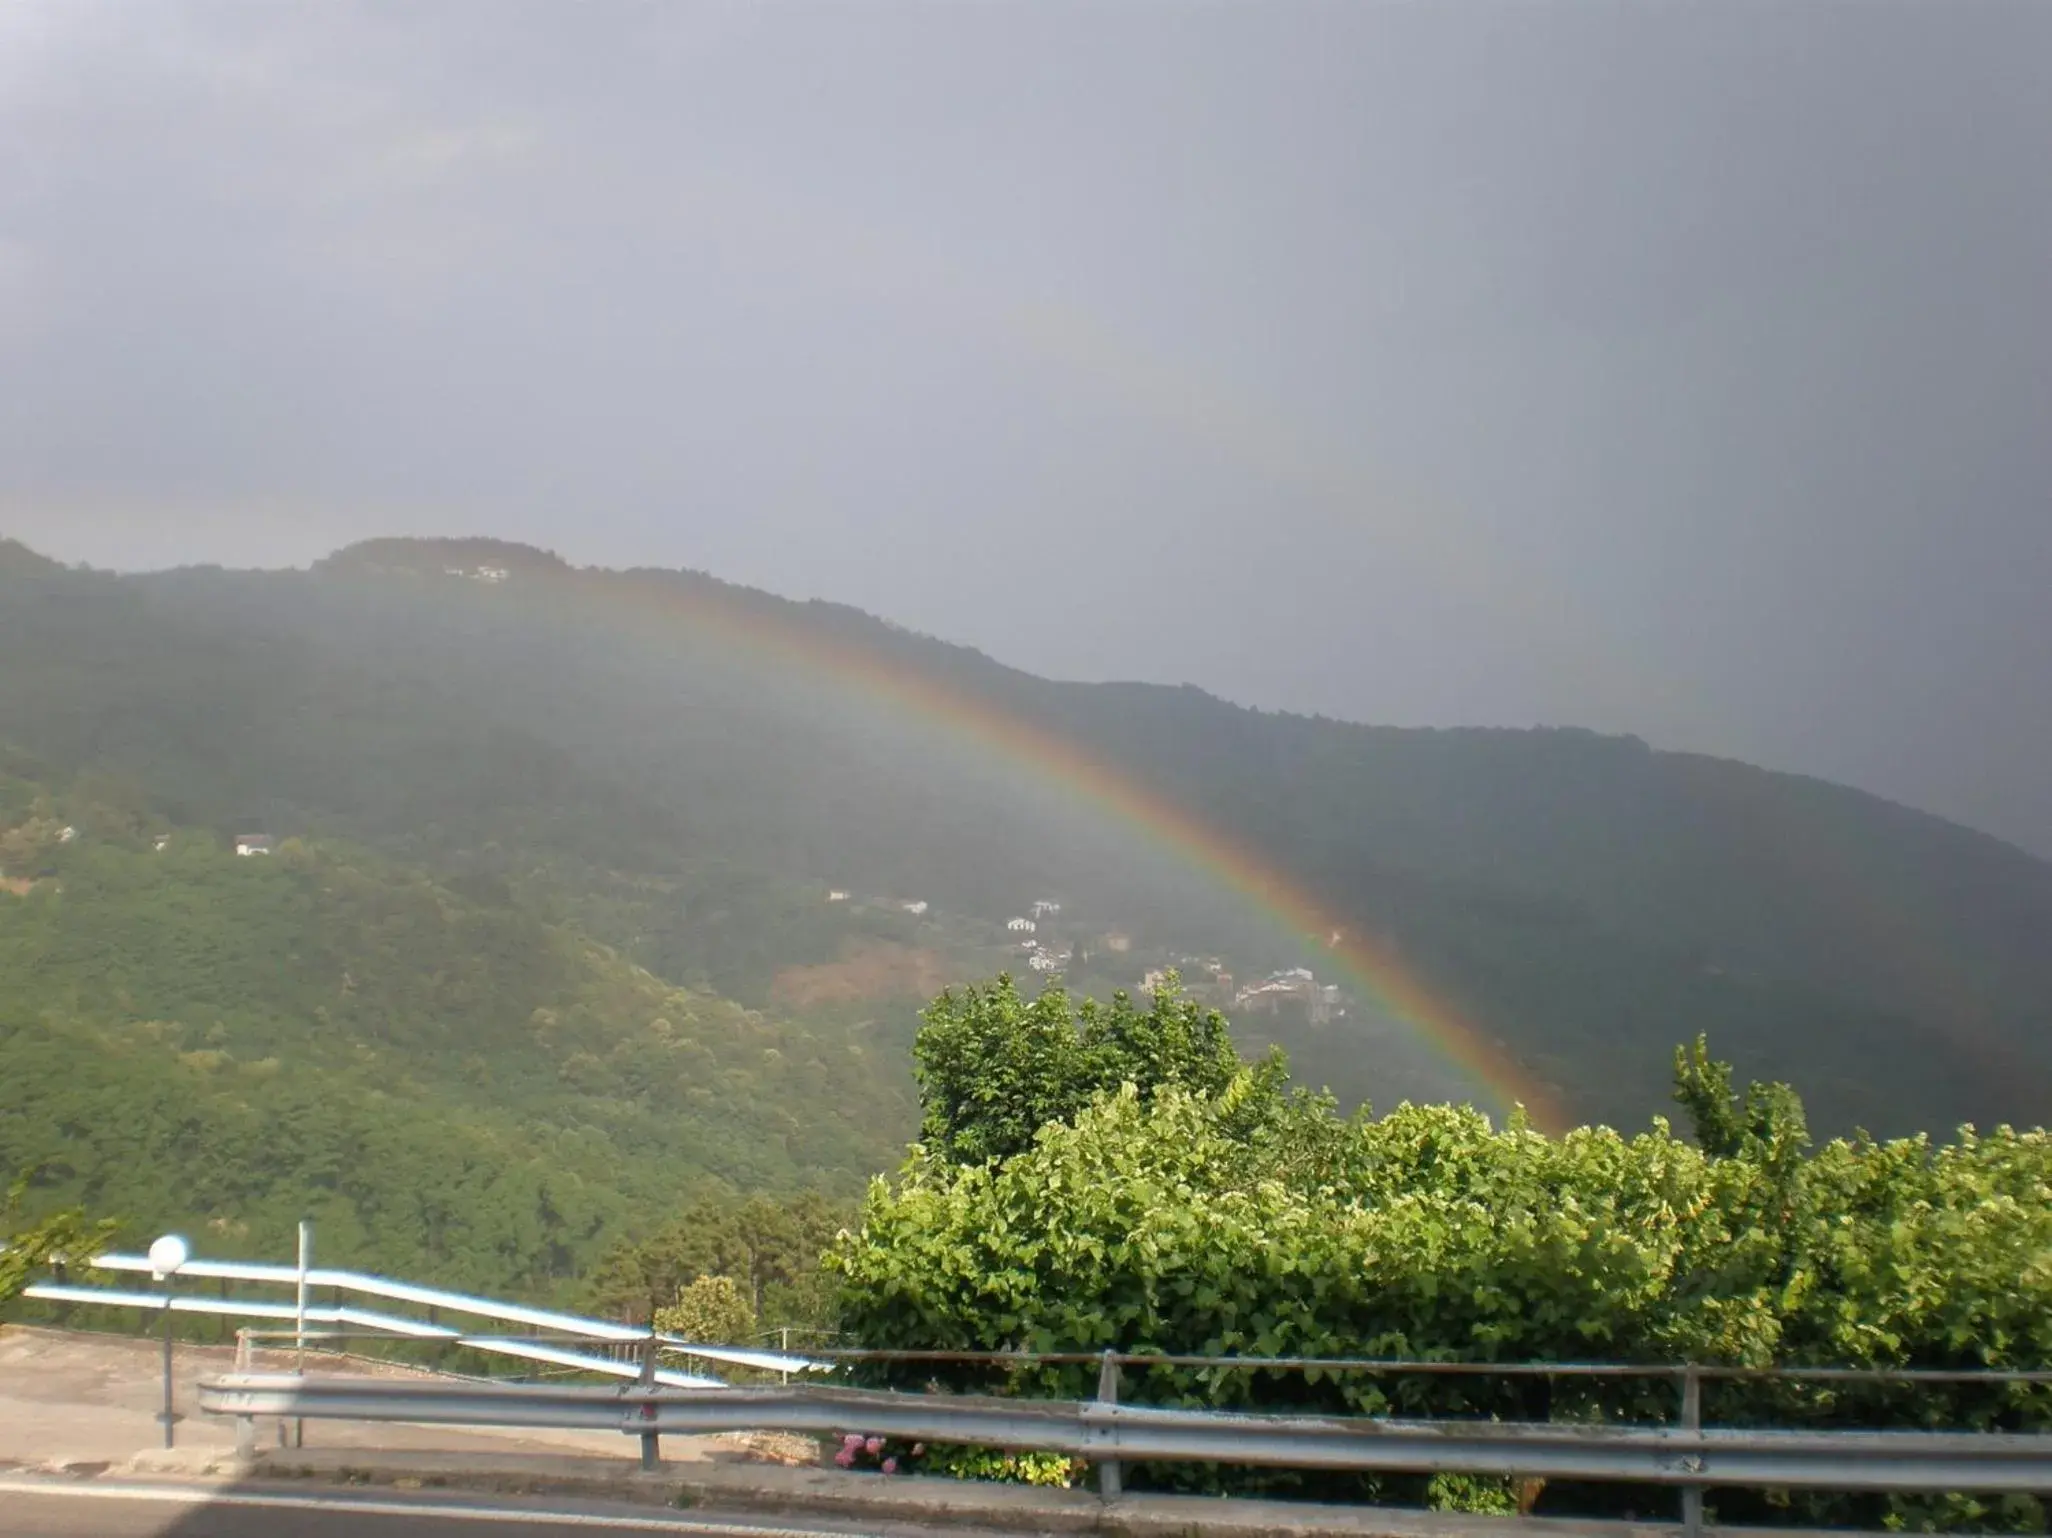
(1250, 1221)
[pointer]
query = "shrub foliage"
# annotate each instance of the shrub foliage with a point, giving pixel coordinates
(1204, 1208)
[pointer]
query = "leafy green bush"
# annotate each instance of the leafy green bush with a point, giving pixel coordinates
(1488, 1495)
(1185, 1223)
(1001, 1467)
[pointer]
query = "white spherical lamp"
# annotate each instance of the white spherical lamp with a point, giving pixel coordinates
(167, 1255)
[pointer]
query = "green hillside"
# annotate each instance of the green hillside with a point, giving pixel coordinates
(628, 749)
(450, 1083)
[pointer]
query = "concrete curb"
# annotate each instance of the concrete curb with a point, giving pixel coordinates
(771, 1489)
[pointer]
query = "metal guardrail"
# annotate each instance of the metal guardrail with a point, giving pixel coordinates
(237, 1308)
(376, 1326)
(305, 1277)
(574, 1325)
(1101, 1431)
(1108, 1433)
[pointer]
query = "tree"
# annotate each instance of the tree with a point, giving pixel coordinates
(712, 1310)
(1767, 1126)
(767, 1247)
(1702, 1088)
(993, 1068)
(1174, 1041)
(26, 1248)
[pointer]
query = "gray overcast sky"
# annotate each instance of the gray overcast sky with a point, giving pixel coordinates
(1684, 370)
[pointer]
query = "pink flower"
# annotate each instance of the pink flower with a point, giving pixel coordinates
(845, 1458)
(875, 1446)
(890, 1465)
(852, 1440)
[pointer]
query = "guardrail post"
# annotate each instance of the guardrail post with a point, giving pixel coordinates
(651, 1441)
(306, 1239)
(1692, 1420)
(245, 1425)
(1109, 1482)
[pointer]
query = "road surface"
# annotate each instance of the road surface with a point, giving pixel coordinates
(32, 1507)
(75, 1398)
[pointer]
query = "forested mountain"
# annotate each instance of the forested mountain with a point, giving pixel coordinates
(684, 767)
(451, 1084)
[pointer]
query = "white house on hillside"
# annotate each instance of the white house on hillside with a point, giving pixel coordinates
(1021, 926)
(247, 844)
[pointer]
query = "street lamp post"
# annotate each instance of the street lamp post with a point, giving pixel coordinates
(166, 1256)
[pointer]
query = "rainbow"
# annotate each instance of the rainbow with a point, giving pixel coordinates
(1372, 969)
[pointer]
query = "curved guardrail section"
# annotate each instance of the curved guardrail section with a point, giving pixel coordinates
(1100, 1431)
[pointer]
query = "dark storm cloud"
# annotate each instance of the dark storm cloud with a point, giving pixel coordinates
(1677, 370)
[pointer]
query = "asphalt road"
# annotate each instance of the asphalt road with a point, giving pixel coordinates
(56, 1508)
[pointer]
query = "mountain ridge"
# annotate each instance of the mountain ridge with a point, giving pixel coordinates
(363, 555)
(688, 754)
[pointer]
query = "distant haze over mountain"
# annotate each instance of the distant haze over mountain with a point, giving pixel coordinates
(687, 766)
